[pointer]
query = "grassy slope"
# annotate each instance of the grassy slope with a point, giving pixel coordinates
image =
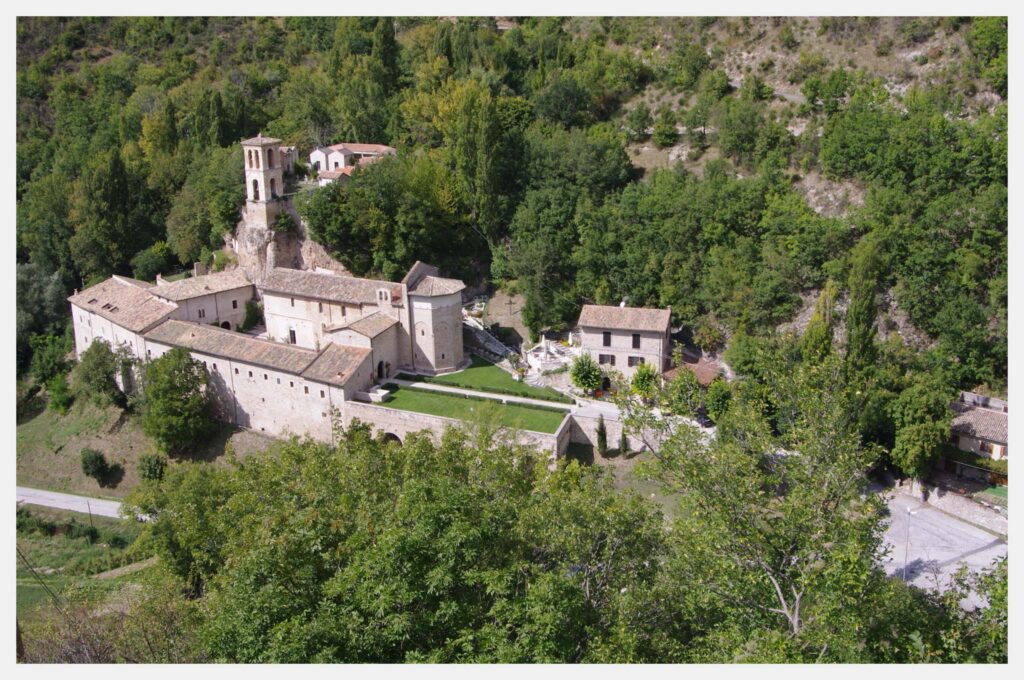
(507, 415)
(60, 561)
(49, 448)
(484, 376)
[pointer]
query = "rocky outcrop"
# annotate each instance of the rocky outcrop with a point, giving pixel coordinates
(259, 248)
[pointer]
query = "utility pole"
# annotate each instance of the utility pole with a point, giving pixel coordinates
(906, 545)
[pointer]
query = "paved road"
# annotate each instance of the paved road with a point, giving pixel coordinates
(932, 545)
(64, 501)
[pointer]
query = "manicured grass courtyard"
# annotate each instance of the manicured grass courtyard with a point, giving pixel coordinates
(484, 376)
(452, 406)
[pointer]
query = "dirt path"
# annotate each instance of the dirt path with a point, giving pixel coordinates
(126, 569)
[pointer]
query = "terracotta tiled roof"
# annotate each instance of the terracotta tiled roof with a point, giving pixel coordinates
(705, 371)
(362, 148)
(336, 364)
(326, 286)
(197, 286)
(221, 342)
(979, 422)
(625, 318)
(124, 302)
(370, 325)
(335, 174)
(261, 140)
(435, 285)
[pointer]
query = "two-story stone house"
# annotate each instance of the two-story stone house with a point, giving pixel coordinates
(980, 425)
(622, 338)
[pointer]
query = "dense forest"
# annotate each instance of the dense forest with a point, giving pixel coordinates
(824, 201)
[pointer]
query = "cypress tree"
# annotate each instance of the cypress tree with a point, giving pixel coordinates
(602, 437)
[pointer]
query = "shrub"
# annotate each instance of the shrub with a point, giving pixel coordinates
(283, 223)
(94, 464)
(665, 133)
(48, 352)
(585, 373)
(645, 379)
(253, 315)
(60, 395)
(152, 466)
(718, 398)
(93, 377)
(623, 443)
(152, 261)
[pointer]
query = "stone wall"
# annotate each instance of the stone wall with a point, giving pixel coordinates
(956, 505)
(584, 431)
(403, 423)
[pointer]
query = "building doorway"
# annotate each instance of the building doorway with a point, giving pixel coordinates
(226, 324)
(291, 336)
(380, 370)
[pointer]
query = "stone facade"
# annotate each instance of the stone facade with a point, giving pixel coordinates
(622, 338)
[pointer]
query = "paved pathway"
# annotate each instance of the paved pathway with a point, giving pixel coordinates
(476, 393)
(64, 501)
(930, 545)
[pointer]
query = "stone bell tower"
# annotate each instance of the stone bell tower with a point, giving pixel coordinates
(264, 179)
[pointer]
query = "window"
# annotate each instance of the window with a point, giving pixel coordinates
(321, 394)
(305, 389)
(635, 361)
(606, 338)
(149, 352)
(291, 383)
(202, 313)
(636, 341)
(234, 304)
(236, 371)
(293, 302)
(291, 336)
(215, 366)
(608, 359)
(265, 377)
(278, 381)
(343, 308)
(985, 447)
(204, 364)
(320, 305)
(250, 374)
(255, 190)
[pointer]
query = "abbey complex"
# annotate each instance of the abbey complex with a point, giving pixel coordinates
(329, 337)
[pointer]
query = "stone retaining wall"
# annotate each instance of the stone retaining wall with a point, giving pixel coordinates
(584, 431)
(403, 423)
(956, 505)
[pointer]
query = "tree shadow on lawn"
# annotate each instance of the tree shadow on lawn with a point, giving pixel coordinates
(112, 477)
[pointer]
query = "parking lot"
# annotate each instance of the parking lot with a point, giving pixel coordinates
(927, 546)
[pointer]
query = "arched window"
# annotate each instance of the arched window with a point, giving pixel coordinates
(273, 188)
(270, 158)
(255, 190)
(257, 159)
(249, 154)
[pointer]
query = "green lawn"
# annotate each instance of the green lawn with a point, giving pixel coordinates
(484, 376)
(451, 406)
